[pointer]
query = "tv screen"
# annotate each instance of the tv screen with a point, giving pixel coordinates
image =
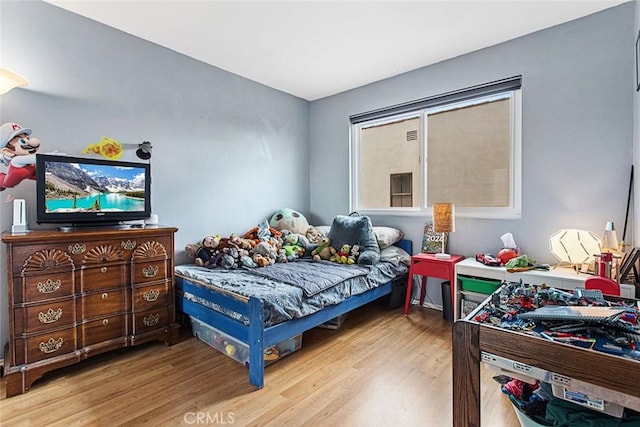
(85, 191)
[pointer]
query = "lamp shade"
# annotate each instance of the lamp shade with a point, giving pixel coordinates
(444, 218)
(574, 246)
(10, 80)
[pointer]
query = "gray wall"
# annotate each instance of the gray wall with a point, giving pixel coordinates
(577, 131)
(227, 152)
(578, 118)
(636, 127)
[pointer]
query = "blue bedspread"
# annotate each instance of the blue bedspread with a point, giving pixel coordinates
(283, 301)
(311, 276)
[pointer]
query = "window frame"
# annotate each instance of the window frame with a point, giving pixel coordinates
(422, 108)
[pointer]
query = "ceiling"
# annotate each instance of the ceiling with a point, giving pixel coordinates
(313, 49)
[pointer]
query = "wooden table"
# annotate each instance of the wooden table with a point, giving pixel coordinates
(470, 338)
(432, 266)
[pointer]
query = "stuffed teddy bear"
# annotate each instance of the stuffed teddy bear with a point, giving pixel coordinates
(324, 251)
(266, 251)
(342, 256)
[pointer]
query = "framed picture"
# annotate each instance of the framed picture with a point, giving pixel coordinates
(638, 62)
(628, 264)
(433, 242)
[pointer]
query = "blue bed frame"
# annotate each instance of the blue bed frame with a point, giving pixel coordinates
(255, 335)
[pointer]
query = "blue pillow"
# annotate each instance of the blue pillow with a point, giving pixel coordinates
(355, 230)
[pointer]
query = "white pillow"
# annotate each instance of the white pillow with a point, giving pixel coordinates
(322, 229)
(395, 255)
(387, 236)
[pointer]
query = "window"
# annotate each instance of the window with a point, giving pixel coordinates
(461, 147)
(401, 194)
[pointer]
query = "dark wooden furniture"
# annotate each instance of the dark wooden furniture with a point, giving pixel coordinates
(471, 338)
(76, 294)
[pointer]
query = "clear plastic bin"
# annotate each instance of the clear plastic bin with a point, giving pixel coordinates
(239, 351)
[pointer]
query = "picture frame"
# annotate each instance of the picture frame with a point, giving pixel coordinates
(628, 264)
(432, 242)
(638, 62)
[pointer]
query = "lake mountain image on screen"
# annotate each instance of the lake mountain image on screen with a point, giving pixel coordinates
(77, 187)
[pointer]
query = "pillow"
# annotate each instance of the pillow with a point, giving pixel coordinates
(387, 236)
(355, 230)
(395, 255)
(323, 229)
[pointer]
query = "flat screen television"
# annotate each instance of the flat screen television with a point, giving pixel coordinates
(91, 192)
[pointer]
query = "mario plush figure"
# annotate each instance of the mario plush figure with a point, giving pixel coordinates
(18, 154)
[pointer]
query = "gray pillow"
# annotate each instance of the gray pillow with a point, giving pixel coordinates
(355, 230)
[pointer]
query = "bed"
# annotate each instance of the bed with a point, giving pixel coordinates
(260, 310)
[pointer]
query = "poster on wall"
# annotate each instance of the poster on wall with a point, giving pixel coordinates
(433, 242)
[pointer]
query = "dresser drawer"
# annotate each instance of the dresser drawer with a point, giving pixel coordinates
(42, 317)
(150, 271)
(102, 277)
(45, 286)
(47, 345)
(102, 304)
(149, 319)
(146, 297)
(101, 330)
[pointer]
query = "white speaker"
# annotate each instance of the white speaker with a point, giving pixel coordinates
(152, 220)
(19, 216)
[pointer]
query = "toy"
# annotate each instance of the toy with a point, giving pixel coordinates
(354, 254)
(289, 219)
(18, 154)
(266, 251)
(342, 255)
(205, 255)
(324, 251)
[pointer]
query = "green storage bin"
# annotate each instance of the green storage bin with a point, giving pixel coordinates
(483, 286)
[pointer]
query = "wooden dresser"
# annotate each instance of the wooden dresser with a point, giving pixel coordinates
(76, 294)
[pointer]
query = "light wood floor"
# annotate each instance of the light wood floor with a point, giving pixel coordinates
(380, 369)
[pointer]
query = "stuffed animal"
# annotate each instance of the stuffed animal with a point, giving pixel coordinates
(289, 219)
(342, 256)
(324, 251)
(266, 251)
(205, 255)
(354, 254)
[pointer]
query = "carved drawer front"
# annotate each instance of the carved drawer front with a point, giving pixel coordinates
(103, 303)
(146, 272)
(50, 345)
(149, 319)
(52, 285)
(150, 296)
(102, 276)
(101, 330)
(44, 317)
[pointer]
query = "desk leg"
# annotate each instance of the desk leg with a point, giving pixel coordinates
(407, 300)
(423, 289)
(466, 374)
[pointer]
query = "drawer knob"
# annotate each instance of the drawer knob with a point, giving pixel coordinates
(51, 316)
(105, 322)
(151, 320)
(105, 295)
(103, 270)
(51, 345)
(151, 271)
(49, 287)
(151, 295)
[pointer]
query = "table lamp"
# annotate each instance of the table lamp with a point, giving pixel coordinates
(443, 222)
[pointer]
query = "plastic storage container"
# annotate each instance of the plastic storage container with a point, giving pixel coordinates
(483, 286)
(237, 350)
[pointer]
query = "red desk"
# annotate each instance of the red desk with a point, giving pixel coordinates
(427, 265)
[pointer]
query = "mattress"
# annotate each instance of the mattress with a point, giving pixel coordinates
(283, 301)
